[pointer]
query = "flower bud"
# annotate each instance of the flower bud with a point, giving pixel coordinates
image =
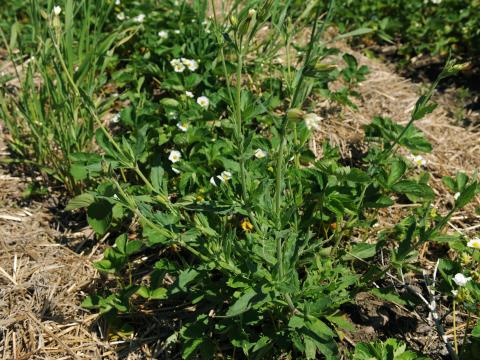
(233, 20)
(295, 114)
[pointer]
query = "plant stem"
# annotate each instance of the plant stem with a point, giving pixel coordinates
(455, 326)
(239, 128)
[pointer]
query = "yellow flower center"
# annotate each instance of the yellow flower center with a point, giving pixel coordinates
(246, 225)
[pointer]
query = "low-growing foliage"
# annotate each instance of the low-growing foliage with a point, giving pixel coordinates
(431, 27)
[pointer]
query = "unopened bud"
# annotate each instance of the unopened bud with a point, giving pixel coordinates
(233, 20)
(252, 13)
(295, 114)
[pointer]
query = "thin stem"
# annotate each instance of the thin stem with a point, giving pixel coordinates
(239, 128)
(455, 326)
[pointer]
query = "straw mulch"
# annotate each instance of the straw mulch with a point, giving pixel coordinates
(41, 284)
(385, 93)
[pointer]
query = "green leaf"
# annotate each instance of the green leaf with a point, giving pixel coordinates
(476, 330)
(99, 216)
(358, 176)
(243, 304)
(80, 201)
(398, 169)
(342, 321)
(361, 251)
(410, 187)
(168, 102)
(121, 243)
(385, 294)
(356, 32)
(422, 108)
(466, 195)
(445, 238)
(133, 247)
(144, 292)
(450, 183)
(158, 294)
(156, 177)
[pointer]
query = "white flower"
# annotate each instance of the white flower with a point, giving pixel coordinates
(182, 126)
(116, 118)
(203, 102)
(115, 196)
(192, 65)
(225, 176)
(456, 196)
(189, 94)
(174, 156)
(176, 31)
(312, 121)
(177, 65)
(474, 243)
(139, 18)
(252, 12)
(436, 2)
(176, 171)
(260, 154)
(212, 181)
(121, 16)
(455, 293)
(419, 160)
(57, 10)
(117, 2)
(461, 280)
(163, 34)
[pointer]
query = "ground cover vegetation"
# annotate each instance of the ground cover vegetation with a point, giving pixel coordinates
(182, 129)
(434, 28)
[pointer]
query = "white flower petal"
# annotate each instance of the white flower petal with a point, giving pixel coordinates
(174, 156)
(57, 10)
(260, 154)
(474, 243)
(203, 102)
(312, 121)
(461, 280)
(182, 126)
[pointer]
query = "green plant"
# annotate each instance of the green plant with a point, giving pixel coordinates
(262, 243)
(418, 28)
(52, 115)
(390, 349)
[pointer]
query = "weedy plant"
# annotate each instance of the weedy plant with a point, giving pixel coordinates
(51, 115)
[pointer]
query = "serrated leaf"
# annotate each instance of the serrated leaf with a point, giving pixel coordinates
(80, 201)
(99, 216)
(466, 195)
(133, 246)
(397, 171)
(410, 187)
